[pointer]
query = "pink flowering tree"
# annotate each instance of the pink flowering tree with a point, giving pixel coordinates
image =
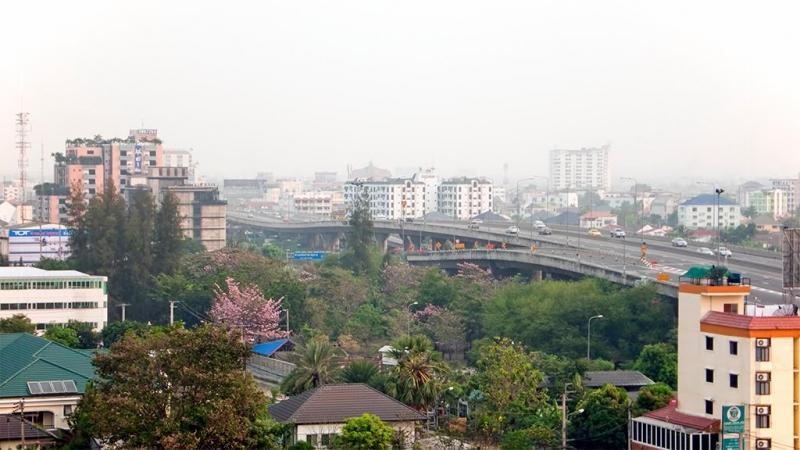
(246, 308)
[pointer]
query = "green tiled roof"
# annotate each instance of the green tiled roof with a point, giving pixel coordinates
(24, 358)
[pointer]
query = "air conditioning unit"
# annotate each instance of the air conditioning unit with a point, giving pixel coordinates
(762, 410)
(762, 342)
(763, 443)
(762, 376)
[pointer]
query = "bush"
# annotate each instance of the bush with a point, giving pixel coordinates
(302, 445)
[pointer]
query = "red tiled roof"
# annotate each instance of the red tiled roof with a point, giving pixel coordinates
(751, 322)
(670, 414)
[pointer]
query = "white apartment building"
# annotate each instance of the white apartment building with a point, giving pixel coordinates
(728, 356)
(791, 188)
(391, 199)
(700, 212)
(53, 297)
(181, 158)
(583, 169)
(320, 203)
(463, 198)
(773, 202)
(431, 180)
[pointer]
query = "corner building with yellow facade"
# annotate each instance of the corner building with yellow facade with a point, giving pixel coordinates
(729, 353)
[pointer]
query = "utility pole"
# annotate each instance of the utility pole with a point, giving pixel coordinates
(123, 305)
(172, 312)
(564, 419)
(719, 192)
(21, 407)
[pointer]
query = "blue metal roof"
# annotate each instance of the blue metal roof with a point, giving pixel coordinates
(269, 348)
(709, 199)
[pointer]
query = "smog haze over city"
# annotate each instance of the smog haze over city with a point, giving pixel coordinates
(680, 90)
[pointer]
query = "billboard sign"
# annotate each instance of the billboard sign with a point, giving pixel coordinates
(733, 419)
(308, 256)
(137, 159)
(29, 245)
(731, 442)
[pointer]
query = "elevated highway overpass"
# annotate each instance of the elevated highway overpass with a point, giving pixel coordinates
(764, 270)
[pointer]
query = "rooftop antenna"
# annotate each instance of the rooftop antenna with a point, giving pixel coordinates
(22, 146)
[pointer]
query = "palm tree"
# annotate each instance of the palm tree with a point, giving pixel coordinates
(415, 380)
(316, 366)
(359, 372)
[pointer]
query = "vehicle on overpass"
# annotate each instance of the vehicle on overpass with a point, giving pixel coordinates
(513, 230)
(679, 242)
(539, 225)
(475, 224)
(594, 232)
(724, 251)
(705, 251)
(617, 233)
(545, 231)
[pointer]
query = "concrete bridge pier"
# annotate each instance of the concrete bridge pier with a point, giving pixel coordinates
(536, 275)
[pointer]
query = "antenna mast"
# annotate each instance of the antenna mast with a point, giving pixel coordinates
(22, 146)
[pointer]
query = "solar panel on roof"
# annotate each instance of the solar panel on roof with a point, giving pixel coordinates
(69, 386)
(47, 388)
(58, 387)
(34, 388)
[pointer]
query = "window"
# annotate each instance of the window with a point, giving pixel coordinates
(709, 375)
(762, 383)
(734, 380)
(67, 410)
(762, 416)
(311, 439)
(709, 406)
(762, 349)
(709, 343)
(734, 347)
(732, 308)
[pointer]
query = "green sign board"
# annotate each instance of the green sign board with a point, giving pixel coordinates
(730, 443)
(733, 419)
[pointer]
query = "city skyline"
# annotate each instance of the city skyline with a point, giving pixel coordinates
(458, 86)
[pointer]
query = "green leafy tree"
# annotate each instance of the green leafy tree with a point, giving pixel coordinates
(316, 366)
(168, 237)
(116, 331)
(653, 397)
(63, 335)
(87, 337)
(53, 264)
(18, 323)
(180, 390)
(660, 363)
(510, 386)
(602, 424)
(749, 212)
(79, 238)
(136, 266)
(361, 237)
(366, 432)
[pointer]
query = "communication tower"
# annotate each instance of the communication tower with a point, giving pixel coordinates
(22, 146)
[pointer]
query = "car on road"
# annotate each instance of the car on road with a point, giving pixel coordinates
(475, 224)
(539, 225)
(545, 231)
(379, 217)
(705, 251)
(594, 232)
(617, 233)
(679, 242)
(724, 251)
(513, 229)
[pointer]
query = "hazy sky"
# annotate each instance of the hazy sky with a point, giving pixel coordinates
(696, 89)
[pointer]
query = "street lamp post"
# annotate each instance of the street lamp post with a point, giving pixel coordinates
(719, 192)
(565, 415)
(589, 336)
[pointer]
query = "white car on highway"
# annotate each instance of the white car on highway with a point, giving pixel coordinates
(513, 229)
(723, 251)
(475, 224)
(539, 225)
(679, 242)
(705, 251)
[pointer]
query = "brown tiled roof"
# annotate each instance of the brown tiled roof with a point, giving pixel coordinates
(751, 322)
(670, 414)
(10, 430)
(336, 403)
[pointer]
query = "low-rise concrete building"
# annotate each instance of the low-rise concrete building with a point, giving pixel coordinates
(702, 211)
(203, 214)
(53, 297)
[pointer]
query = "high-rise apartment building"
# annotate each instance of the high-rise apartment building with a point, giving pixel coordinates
(203, 214)
(389, 199)
(583, 169)
(791, 188)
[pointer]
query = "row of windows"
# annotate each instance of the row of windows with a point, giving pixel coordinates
(48, 305)
(656, 436)
(762, 346)
(26, 285)
(762, 413)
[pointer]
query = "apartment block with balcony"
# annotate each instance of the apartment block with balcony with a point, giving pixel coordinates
(580, 169)
(464, 198)
(390, 199)
(700, 212)
(729, 353)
